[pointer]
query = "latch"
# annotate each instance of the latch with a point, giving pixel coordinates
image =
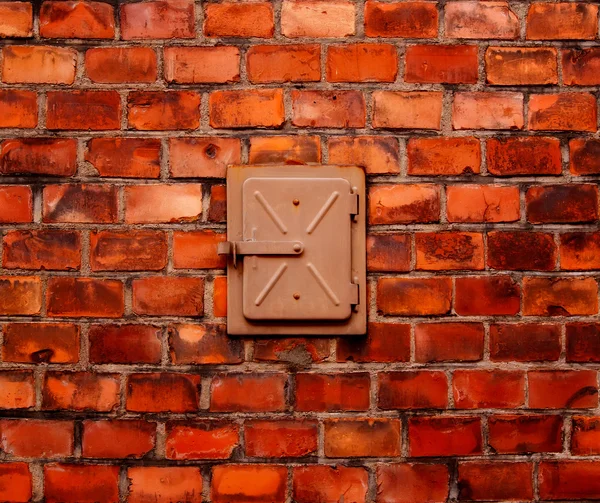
(237, 248)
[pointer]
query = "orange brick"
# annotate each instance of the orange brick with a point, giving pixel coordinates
(198, 250)
(280, 439)
(444, 436)
(168, 110)
(482, 203)
(201, 440)
(37, 438)
(378, 154)
(16, 204)
(508, 481)
(88, 110)
(388, 252)
(563, 389)
(163, 203)
(412, 390)
(488, 389)
(362, 438)
(401, 19)
(414, 296)
(163, 484)
(80, 391)
(480, 20)
(562, 21)
(207, 343)
(317, 18)
(285, 149)
(521, 66)
(291, 350)
(412, 482)
(42, 249)
(487, 296)
(38, 65)
(220, 296)
(81, 483)
(248, 393)
(203, 157)
(131, 250)
(15, 482)
(443, 342)
(283, 63)
(581, 67)
(125, 157)
(528, 155)
(108, 65)
(332, 392)
(329, 484)
(584, 156)
(18, 109)
(158, 19)
(76, 203)
(38, 156)
(167, 295)
(124, 343)
(385, 342)
(443, 156)
(516, 434)
(559, 480)
(248, 483)
(483, 110)
(439, 251)
(235, 19)
(85, 297)
(563, 112)
(41, 343)
(560, 296)
(449, 64)
(163, 392)
(580, 251)
(117, 438)
(246, 108)
(77, 19)
(17, 19)
(407, 110)
(20, 295)
(217, 211)
(362, 63)
(17, 390)
(334, 109)
(201, 65)
(400, 204)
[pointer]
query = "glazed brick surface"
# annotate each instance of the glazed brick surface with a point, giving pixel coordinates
(477, 124)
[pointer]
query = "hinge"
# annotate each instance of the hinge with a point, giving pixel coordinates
(354, 293)
(353, 204)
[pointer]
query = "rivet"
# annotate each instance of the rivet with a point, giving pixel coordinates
(296, 296)
(296, 202)
(297, 247)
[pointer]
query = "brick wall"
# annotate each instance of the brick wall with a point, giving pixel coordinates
(477, 124)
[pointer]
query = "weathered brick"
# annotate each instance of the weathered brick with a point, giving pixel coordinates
(401, 19)
(198, 250)
(559, 296)
(280, 439)
(412, 482)
(38, 65)
(77, 19)
(248, 483)
(163, 484)
(332, 392)
(163, 392)
(202, 65)
(85, 110)
(444, 436)
(158, 19)
(248, 393)
(329, 484)
(204, 344)
(388, 252)
(81, 483)
(124, 344)
(38, 156)
(317, 18)
(80, 391)
(117, 438)
(201, 440)
(563, 112)
(108, 65)
(480, 20)
(439, 251)
(414, 296)
(583, 342)
(528, 155)
(378, 154)
(524, 342)
(442, 342)
(74, 203)
(16, 204)
(403, 204)
(562, 203)
(483, 480)
(364, 438)
(580, 251)
(482, 203)
(581, 67)
(20, 295)
(134, 250)
(407, 110)
(168, 296)
(18, 109)
(562, 21)
(283, 63)
(43, 249)
(17, 390)
(203, 157)
(571, 480)
(485, 110)
(40, 343)
(163, 110)
(362, 63)
(448, 64)
(412, 390)
(17, 19)
(298, 149)
(521, 434)
(163, 203)
(15, 482)
(295, 351)
(521, 66)
(584, 156)
(85, 297)
(334, 109)
(563, 389)
(443, 156)
(487, 296)
(488, 389)
(125, 157)
(246, 108)
(37, 438)
(585, 434)
(521, 251)
(235, 19)
(385, 342)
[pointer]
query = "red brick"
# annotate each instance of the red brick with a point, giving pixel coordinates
(235, 19)
(566, 389)
(295, 351)
(317, 18)
(519, 251)
(43, 249)
(220, 296)
(407, 110)
(37, 438)
(200, 65)
(15, 482)
(414, 296)
(448, 64)
(530, 155)
(163, 392)
(86, 110)
(217, 211)
(524, 342)
(124, 344)
(250, 483)
(487, 110)
(38, 156)
(125, 157)
(583, 342)
(488, 389)
(562, 203)
(580, 251)
(163, 110)
(204, 344)
(74, 203)
(444, 436)
(328, 109)
(413, 390)
(85, 297)
(521, 66)
(77, 19)
(388, 252)
(117, 65)
(20, 295)
(117, 439)
(443, 156)
(482, 203)
(572, 480)
(198, 250)
(563, 112)
(168, 296)
(246, 108)
(488, 480)
(487, 296)
(521, 434)
(158, 19)
(559, 296)
(439, 251)
(480, 20)
(81, 483)
(38, 65)
(584, 156)
(362, 63)
(248, 393)
(201, 440)
(17, 19)
(362, 438)
(40, 343)
(285, 149)
(18, 109)
(401, 19)
(385, 342)
(80, 391)
(412, 483)
(585, 436)
(164, 203)
(404, 204)
(332, 392)
(164, 484)
(131, 250)
(378, 154)
(562, 21)
(16, 204)
(441, 342)
(329, 484)
(283, 63)
(203, 157)
(17, 390)
(581, 67)
(280, 439)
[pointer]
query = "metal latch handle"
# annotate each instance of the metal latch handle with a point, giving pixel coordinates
(235, 248)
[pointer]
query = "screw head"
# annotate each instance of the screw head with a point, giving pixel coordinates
(296, 296)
